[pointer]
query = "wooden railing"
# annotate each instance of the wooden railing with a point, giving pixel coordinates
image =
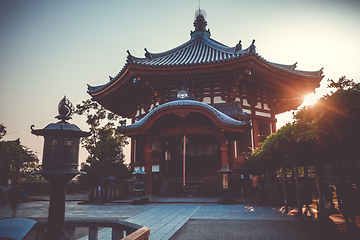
(120, 229)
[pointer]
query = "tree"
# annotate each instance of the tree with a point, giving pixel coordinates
(329, 130)
(333, 124)
(326, 132)
(17, 162)
(105, 145)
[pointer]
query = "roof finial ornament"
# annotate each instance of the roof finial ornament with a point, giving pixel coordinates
(200, 24)
(130, 58)
(252, 46)
(238, 46)
(147, 54)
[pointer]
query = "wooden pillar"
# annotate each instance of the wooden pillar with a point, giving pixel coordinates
(231, 147)
(273, 122)
(224, 155)
(273, 126)
(148, 168)
(256, 133)
(132, 146)
(255, 123)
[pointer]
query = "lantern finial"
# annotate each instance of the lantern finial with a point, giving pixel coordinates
(66, 109)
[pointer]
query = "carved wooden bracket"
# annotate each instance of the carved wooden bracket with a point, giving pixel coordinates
(181, 114)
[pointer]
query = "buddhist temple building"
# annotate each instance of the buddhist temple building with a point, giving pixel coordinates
(219, 102)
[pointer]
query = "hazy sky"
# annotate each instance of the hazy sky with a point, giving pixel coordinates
(49, 49)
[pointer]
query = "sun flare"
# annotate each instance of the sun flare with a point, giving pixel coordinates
(310, 99)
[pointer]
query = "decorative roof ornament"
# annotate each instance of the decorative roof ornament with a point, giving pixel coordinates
(252, 46)
(130, 58)
(65, 109)
(200, 24)
(147, 54)
(238, 46)
(182, 94)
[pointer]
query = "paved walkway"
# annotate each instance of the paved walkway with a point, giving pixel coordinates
(163, 219)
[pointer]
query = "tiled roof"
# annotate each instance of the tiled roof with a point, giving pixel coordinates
(201, 50)
(232, 109)
(225, 119)
(198, 50)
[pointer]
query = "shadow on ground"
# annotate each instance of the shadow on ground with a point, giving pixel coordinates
(259, 229)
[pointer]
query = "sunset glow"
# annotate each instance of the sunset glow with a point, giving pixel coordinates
(310, 99)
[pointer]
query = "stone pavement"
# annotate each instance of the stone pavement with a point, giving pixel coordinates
(163, 219)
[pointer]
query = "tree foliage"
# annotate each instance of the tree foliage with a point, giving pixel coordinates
(105, 145)
(2, 130)
(283, 148)
(17, 162)
(328, 129)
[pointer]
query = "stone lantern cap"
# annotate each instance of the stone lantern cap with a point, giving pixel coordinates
(139, 172)
(224, 170)
(61, 145)
(61, 128)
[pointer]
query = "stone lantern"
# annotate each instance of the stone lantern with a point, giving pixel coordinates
(139, 188)
(225, 172)
(59, 165)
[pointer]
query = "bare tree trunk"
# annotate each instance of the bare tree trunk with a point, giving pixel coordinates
(276, 188)
(284, 188)
(318, 178)
(298, 192)
(306, 172)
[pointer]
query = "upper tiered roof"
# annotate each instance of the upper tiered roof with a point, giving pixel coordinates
(200, 50)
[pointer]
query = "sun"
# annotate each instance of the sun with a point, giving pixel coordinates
(310, 99)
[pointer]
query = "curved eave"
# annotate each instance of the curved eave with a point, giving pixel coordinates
(184, 106)
(316, 76)
(284, 105)
(62, 129)
(291, 69)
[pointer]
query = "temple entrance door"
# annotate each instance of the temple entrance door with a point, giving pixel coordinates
(202, 155)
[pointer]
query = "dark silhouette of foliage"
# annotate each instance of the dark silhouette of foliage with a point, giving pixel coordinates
(105, 145)
(17, 162)
(327, 130)
(2, 130)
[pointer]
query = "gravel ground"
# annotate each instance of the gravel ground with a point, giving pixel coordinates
(260, 229)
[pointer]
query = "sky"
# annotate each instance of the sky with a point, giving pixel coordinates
(52, 48)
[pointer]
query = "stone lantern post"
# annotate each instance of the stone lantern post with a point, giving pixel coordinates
(225, 172)
(139, 188)
(59, 165)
